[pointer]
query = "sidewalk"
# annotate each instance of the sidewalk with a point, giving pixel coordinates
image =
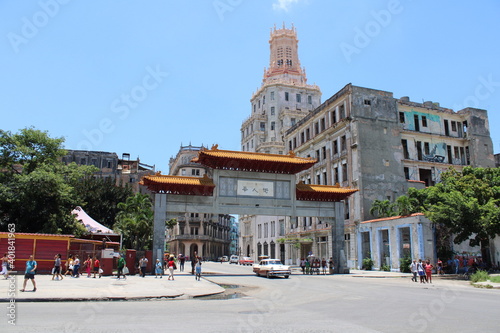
(106, 288)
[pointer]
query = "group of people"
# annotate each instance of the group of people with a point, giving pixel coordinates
(73, 265)
(315, 265)
(423, 270)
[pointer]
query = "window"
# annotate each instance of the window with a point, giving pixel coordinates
(302, 139)
(294, 143)
(323, 152)
(325, 181)
(259, 103)
(308, 136)
(262, 126)
(344, 172)
(83, 161)
(263, 100)
(272, 95)
(272, 125)
(309, 99)
(402, 117)
(342, 111)
(343, 143)
(424, 121)
(183, 172)
(318, 157)
(259, 231)
(195, 172)
(254, 108)
(419, 150)
(335, 147)
(456, 153)
(316, 128)
(282, 228)
(426, 148)
(318, 179)
(334, 117)
(298, 97)
(335, 175)
(286, 96)
(454, 126)
(322, 124)
(407, 173)
(273, 228)
(272, 110)
(368, 102)
(406, 154)
(293, 121)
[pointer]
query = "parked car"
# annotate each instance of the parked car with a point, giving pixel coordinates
(233, 259)
(247, 261)
(272, 267)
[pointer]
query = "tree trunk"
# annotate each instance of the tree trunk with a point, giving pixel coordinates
(485, 251)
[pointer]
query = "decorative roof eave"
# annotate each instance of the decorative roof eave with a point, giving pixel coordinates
(159, 183)
(254, 162)
(310, 192)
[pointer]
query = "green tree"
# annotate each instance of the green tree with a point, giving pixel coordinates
(406, 205)
(467, 203)
(135, 222)
(382, 208)
(35, 193)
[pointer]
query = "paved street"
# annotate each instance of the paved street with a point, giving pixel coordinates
(359, 302)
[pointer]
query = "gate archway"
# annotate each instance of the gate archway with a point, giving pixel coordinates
(247, 183)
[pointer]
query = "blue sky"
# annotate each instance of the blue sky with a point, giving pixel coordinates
(144, 77)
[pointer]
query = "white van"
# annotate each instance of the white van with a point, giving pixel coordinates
(234, 259)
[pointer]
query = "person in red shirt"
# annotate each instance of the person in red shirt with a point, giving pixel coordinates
(428, 271)
(97, 267)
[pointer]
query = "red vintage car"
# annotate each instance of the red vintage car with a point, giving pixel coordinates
(245, 261)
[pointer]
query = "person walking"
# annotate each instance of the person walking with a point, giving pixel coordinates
(57, 267)
(303, 265)
(158, 269)
(69, 266)
(308, 266)
(171, 266)
(193, 262)
(413, 270)
(29, 273)
(182, 260)
(97, 267)
(88, 265)
(440, 270)
(198, 269)
(5, 266)
(121, 266)
(143, 264)
(331, 265)
(76, 267)
(323, 265)
(428, 271)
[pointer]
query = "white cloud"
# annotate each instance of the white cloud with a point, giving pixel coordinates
(284, 4)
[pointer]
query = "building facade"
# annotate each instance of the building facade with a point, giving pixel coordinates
(208, 235)
(369, 140)
(283, 99)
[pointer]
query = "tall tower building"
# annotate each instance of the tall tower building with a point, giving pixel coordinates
(282, 100)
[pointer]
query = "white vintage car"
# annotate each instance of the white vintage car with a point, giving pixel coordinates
(271, 267)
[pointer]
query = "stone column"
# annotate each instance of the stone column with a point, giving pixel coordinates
(338, 253)
(160, 216)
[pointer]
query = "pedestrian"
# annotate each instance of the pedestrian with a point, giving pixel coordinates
(5, 266)
(158, 269)
(413, 270)
(76, 267)
(29, 273)
(308, 266)
(182, 260)
(303, 265)
(456, 263)
(171, 266)
(121, 266)
(440, 270)
(143, 264)
(97, 267)
(428, 271)
(88, 265)
(421, 271)
(331, 265)
(323, 265)
(69, 266)
(56, 271)
(198, 269)
(193, 262)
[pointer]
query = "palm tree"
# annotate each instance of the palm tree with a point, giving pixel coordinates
(135, 221)
(382, 208)
(406, 205)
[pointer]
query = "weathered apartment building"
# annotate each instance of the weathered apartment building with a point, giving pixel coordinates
(362, 138)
